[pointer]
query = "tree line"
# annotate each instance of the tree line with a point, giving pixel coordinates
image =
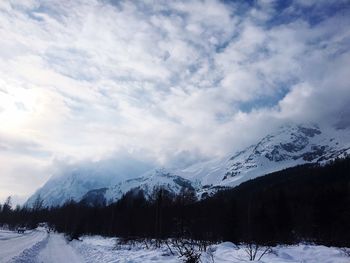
(306, 203)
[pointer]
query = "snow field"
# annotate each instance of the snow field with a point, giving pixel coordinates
(58, 250)
(39, 247)
(98, 249)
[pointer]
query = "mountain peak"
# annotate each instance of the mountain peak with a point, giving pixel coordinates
(288, 146)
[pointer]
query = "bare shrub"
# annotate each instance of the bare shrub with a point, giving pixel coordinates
(254, 251)
(210, 254)
(345, 251)
(187, 250)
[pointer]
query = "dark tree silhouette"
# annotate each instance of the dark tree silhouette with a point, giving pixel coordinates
(304, 203)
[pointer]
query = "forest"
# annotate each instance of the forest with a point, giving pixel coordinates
(308, 203)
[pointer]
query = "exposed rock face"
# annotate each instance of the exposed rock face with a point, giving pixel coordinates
(95, 197)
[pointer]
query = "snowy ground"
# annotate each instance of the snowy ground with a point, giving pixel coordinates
(12, 244)
(39, 247)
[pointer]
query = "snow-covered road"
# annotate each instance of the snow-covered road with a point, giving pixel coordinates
(13, 244)
(36, 247)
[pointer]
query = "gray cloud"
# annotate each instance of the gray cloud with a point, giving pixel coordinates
(22, 146)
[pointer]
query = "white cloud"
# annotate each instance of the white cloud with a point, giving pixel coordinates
(165, 81)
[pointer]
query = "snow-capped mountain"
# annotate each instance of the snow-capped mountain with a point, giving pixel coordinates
(287, 147)
(158, 178)
(74, 182)
(71, 186)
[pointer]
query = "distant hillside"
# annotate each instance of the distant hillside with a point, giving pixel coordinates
(288, 146)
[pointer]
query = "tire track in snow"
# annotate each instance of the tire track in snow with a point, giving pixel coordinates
(30, 255)
(12, 245)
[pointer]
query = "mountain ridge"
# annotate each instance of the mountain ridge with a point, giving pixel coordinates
(289, 146)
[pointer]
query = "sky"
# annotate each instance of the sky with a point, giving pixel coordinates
(167, 82)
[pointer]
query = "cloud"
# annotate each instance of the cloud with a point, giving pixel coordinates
(167, 82)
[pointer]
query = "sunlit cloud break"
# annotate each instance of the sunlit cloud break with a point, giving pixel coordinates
(168, 82)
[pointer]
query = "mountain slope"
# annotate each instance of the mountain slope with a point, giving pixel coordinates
(71, 186)
(159, 178)
(73, 183)
(287, 147)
